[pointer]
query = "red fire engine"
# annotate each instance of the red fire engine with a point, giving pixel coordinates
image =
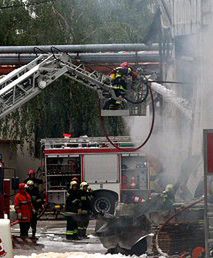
(113, 175)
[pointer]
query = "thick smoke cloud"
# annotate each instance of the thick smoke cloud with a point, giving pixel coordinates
(177, 141)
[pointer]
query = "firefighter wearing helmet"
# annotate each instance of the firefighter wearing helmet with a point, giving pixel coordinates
(24, 209)
(85, 208)
(72, 206)
(32, 176)
(169, 195)
(119, 77)
(37, 202)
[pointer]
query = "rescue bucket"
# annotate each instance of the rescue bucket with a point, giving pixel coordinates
(6, 249)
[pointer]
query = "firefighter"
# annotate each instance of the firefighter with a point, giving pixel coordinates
(32, 176)
(73, 179)
(37, 203)
(24, 209)
(72, 205)
(119, 81)
(84, 209)
(169, 195)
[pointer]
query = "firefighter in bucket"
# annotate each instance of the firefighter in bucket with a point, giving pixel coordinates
(119, 81)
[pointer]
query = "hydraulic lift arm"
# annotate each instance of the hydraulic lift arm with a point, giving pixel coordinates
(26, 82)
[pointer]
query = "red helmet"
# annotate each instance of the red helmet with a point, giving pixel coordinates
(124, 65)
(31, 171)
(22, 186)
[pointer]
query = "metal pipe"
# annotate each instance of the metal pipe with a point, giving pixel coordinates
(96, 58)
(90, 48)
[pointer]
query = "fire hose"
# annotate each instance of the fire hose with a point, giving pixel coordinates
(146, 83)
(167, 221)
(147, 138)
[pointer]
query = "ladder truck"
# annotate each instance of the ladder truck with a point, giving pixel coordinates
(127, 180)
(26, 82)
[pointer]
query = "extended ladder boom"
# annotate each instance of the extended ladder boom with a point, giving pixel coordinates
(26, 82)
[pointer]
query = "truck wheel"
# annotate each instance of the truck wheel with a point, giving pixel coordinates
(104, 202)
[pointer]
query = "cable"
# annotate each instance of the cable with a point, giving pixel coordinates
(147, 138)
(25, 5)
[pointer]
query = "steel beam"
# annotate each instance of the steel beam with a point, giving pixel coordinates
(91, 48)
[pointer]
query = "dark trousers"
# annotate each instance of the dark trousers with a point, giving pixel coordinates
(112, 101)
(82, 225)
(72, 228)
(33, 224)
(24, 228)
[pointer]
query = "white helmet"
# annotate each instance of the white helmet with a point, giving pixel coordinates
(72, 183)
(83, 184)
(30, 183)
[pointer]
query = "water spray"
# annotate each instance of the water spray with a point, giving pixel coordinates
(170, 96)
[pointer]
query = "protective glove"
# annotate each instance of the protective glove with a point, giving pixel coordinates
(84, 212)
(19, 216)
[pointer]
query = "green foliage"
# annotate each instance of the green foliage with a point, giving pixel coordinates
(66, 106)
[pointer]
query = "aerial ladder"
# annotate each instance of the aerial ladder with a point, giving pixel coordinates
(24, 83)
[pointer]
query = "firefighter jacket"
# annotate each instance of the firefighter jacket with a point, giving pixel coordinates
(36, 197)
(85, 205)
(121, 72)
(23, 206)
(119, 77)
(72, 201)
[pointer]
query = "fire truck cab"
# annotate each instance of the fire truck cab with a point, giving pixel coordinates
(113, 175)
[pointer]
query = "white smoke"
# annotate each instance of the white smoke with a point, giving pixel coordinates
(176, 138)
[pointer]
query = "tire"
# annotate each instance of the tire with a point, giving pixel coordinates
(104, 201)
